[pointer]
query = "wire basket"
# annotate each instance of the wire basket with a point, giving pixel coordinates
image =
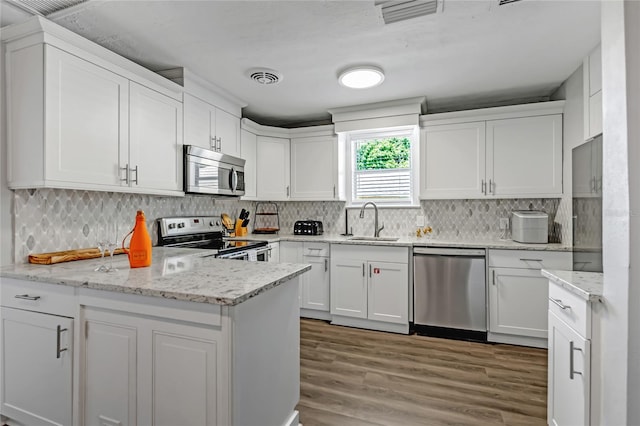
(267, 219)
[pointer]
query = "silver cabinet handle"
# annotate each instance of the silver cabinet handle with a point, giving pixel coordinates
(136, 172)
(219, 144)
(530, 260)
(363, 269)
(572, 348)
(334, 191)
(483, 187)
(212, 143)
(369, 270)
(126, 174)
(491, 187)
(559, 303)
(326, 265)
(287, 190)
(59, 350)
(493, 278)
(26, 297)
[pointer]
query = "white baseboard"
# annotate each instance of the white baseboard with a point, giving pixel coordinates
(535, 342)
(312, 313)
(370, 325)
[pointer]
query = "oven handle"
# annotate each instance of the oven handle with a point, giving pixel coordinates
(237, 255)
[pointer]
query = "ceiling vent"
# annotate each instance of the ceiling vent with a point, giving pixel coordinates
(44, 7)
(400, 10)
(264, 76)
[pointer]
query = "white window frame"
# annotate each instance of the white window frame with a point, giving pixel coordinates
(411, 132)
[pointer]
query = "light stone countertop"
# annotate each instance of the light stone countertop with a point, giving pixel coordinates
(175, 273)
(588, 285)
(411, 242)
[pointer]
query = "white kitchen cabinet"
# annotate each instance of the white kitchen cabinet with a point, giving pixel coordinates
(155, 140)
(569, 375)
(515, 155)
(314, 284)
(179, 386)
(592, 93)
(453, 161)
(518, 294)
(349, 289)
(210, 127)
(314, 168)
(524, 156)
(587, 170)
(248, 151)
(272, 168)
(76, 122)
(370, 287)
(574, 358)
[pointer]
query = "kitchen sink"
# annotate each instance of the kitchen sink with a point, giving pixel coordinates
(373, 239)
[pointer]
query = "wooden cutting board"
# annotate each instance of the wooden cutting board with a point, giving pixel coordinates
(68, 256)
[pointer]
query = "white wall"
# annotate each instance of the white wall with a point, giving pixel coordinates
(621, 203)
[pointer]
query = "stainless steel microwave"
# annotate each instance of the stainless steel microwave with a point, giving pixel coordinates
(213, 173)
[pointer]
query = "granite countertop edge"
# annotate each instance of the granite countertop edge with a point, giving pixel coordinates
(587, 285)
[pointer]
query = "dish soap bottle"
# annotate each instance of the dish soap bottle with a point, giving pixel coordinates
(139, 251)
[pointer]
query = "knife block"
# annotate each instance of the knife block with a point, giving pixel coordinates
(240, 230)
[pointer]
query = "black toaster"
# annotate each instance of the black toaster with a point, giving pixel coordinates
(307, 227)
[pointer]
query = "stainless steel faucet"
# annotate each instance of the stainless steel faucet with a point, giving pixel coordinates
(376, 231)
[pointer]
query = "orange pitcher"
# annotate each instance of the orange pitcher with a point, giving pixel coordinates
(139, 251)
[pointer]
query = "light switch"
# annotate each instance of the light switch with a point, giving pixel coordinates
(419, 220)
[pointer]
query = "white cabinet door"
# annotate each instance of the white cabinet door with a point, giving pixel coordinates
(348, 288)
(110, 370)
(37, 360)
(227, 132)
(518, 300)
(314, 164)
(272, 158)
(569, 375)
(524, 156)
(248, 147)
(273, 255)
(86, 110)
(155, 144)
(452, 161)
(184, 378)
(197, 122)
(315, 287)
(388, 292)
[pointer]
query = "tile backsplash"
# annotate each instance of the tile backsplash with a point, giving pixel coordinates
(57, 219)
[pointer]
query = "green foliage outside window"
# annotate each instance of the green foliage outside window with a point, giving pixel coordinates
(377, 154)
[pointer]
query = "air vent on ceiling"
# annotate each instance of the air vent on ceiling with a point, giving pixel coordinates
(400, 10)
(503, 2)
(264, 75)
(44, 7)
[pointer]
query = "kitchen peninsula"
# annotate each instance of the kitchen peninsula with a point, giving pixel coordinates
(190, 340)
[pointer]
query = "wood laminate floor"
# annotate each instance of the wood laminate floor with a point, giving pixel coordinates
(359, 377)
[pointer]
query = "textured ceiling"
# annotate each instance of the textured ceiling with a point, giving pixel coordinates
(470, 53)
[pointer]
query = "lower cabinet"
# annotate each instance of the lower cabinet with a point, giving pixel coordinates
(121, 387)
(314, 284)
(574, 358)
(518, 294)
(370, 287)
(273, 255)
(37, 360)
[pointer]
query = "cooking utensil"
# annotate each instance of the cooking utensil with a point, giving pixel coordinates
(242, 213)
(227, 222)
(245, 223)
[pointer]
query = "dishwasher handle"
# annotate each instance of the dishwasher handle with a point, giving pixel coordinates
(446, 251)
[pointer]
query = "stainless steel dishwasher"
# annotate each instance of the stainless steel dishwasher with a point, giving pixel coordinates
(450, 293)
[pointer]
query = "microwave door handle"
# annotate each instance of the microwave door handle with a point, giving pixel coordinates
(233, 180)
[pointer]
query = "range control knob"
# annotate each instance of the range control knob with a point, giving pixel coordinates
(181, 225)
(172, 226)
(211, 223)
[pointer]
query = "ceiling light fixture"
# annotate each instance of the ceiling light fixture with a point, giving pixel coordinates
(361, 77)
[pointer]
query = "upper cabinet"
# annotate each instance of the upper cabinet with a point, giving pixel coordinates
(88, 119)
(290, 164)
(592, 72)
(517, 154)
(314, 168)
(210, 127)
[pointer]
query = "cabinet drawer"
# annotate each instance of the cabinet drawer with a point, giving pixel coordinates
(530, 259)
(316, 249)
(39, 297)
(571, 308)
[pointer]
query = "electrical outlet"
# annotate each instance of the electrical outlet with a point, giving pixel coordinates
(504, 223)
(419, 220)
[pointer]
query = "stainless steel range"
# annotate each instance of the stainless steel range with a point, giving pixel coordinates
(204, 232)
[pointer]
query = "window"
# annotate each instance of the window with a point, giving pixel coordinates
(382, 167)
